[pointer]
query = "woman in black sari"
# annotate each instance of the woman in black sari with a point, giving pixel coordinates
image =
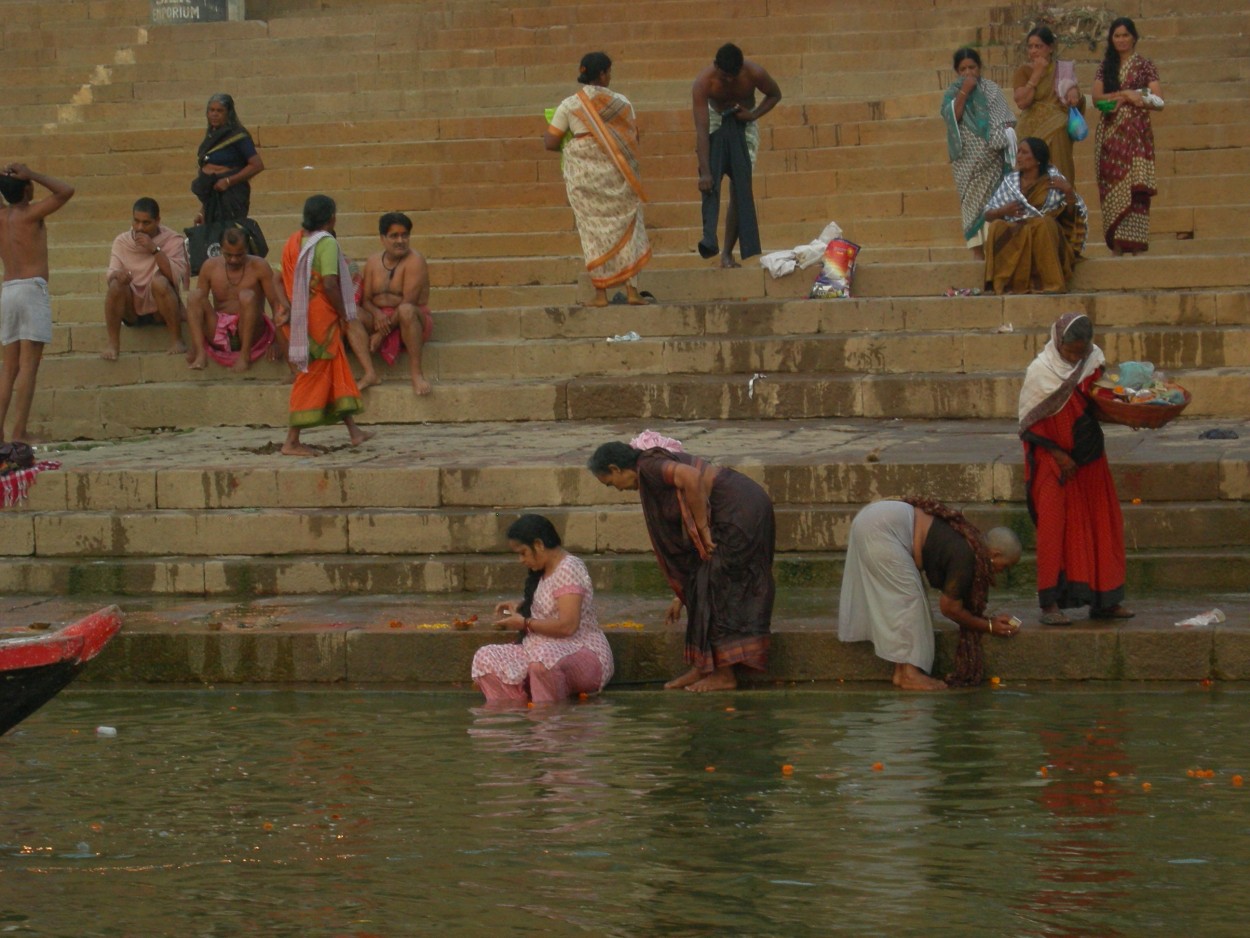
(227, 159)
(713, 532)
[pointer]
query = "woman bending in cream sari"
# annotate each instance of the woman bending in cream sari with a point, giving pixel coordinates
(1035, 226)
(601, 173)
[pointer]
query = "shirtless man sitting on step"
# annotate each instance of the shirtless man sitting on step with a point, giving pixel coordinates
(227, 307)
(395, 296)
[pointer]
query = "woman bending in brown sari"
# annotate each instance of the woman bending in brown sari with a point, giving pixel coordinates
(1036, 226)
(713, 533)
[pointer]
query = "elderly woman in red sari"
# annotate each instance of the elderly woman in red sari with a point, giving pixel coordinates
(1036, 226)
(713, 533)
(602, 177)
(1071, 495)
(1124, 143)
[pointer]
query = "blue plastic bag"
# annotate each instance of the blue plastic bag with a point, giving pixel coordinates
(1077, 128)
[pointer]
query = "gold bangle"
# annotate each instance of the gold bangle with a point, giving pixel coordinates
(990, 623)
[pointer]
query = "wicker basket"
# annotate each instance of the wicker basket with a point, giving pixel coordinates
(1138, 416)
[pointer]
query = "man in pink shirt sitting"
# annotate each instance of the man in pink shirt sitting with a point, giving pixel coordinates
(147, 269)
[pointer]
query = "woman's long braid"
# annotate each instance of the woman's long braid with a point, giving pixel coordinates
(969, 661)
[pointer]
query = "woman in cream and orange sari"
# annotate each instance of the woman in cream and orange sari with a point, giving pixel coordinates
(601, 173)
(1035, 226)
(1044, 90)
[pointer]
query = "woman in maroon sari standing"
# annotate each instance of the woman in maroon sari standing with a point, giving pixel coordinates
(1124, 143)
(713, 533)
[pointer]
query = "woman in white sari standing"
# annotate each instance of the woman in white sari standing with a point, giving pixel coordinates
(980, 141)
(602, 175)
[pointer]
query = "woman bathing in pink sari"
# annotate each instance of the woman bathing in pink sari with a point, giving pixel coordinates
(563, 652)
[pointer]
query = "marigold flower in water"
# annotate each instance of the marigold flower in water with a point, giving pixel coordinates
(1145, 786)
(710, 768)
(1137, 501)
(995, 681)
(1113, 774)
(1043, 772)
(1237, 780)
(787, 769)
(268, 825)
(877, 766)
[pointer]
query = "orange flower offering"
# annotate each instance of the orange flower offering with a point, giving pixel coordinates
(1043, 772)
(462, 624)
(787, 769)
(877, 766)
(1237, 780)
(395, 624)
(1145, 786)
(995, 681)
(627, 624)
(710, 768)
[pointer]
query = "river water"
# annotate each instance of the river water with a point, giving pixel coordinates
(1018, 811)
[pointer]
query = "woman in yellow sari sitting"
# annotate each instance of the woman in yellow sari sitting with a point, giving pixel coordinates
(1036, 226)
(602, 176)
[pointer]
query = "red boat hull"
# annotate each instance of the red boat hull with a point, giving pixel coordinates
(34, 669)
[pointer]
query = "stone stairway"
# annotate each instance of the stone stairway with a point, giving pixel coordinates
(435, 108)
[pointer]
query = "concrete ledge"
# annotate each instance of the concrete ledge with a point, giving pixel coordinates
(410, 640)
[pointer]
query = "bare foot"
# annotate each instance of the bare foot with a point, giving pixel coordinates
(298, 449)
(242, 363)
(637, 299)
(361, 436)
(596, 304)
(109, 354)
(910, 677)
(727, 261)
(197, 364)
(720, 679)
(368, 380)
(420, 386)
(176, 348)
(694, 674)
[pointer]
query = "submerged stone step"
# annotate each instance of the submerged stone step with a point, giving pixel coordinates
(402, 639)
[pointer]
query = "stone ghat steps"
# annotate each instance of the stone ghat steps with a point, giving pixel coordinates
(863, 351)
(1194, 310)
(127, 410)
(638, 65)
(457, 139)
(159, 115)
(388, 77)
(373, 532)
(485, 578)
(508, 467)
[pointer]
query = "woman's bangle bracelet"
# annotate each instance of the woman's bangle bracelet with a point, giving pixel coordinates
(527, 623)
(990, 623)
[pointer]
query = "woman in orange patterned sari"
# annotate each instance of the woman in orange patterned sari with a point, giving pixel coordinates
(319, 285)
(1124, 143)
(602, 177)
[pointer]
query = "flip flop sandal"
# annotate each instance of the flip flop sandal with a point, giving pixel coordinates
(1055, 618)
(647, 295)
